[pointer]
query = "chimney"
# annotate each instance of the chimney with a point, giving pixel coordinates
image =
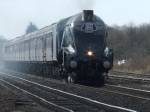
(88, 15)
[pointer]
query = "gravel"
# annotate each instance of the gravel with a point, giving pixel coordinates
(17, 102)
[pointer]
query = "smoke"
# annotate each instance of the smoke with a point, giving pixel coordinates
(85, 4)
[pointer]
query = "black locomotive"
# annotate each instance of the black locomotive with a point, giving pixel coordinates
(74, 49)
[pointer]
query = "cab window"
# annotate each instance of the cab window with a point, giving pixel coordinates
(67, 38)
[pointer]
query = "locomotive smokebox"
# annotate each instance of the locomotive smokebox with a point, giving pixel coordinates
(88, 15)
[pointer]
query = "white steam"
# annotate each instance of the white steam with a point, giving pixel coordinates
(85, 4)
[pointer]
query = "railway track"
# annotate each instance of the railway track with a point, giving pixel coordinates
(58, 99)
(133, 92)
(122, 90)
(37, 98)
(131, 74)
(131, 97)
(130, 77)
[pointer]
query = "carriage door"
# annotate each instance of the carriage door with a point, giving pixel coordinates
(44, 48)
(49, 46)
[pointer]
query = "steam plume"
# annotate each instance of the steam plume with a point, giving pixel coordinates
(85, 4)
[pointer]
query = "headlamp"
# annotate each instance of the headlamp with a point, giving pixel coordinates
(90, 53)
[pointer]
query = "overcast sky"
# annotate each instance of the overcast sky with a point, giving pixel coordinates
(15, 15)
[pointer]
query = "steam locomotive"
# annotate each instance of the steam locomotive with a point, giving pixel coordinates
(74, 50)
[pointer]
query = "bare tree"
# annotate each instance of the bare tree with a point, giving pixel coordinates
(133, 43)
(31, 28)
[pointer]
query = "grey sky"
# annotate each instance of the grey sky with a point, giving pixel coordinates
(15, 15)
